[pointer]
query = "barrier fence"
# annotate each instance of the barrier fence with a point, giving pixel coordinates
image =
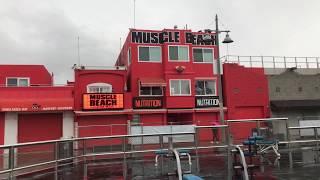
(20, 159)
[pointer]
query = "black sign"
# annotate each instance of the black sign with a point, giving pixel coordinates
(207, 101)
(147, 102)
(171, 37)
(199, 39)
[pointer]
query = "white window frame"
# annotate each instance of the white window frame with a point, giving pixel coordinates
(202, 48)
(151, 94)
(206, 79)
(178, 53)
(190, 87)
(129, 57)
(160, 61)
(99, 85)
(18, 79)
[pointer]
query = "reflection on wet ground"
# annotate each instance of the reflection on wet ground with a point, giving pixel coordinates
(210, 165)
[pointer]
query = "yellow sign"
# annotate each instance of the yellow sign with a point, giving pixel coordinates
(102, 101)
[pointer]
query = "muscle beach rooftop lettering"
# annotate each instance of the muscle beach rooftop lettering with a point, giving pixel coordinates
(145, 37)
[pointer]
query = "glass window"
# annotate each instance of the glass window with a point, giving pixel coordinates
(150, 91)
(180, 87)
(205, 87)
(99, 88)
(17, 81)
(177, 53)
(151, 53)
(202, 55)
(23, 82)
(12, 82)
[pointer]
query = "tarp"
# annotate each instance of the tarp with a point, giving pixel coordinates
(161, 130)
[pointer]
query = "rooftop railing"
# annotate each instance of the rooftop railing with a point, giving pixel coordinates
(274, 61)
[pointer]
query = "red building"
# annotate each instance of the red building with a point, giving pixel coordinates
(160, 78)
(31, 108)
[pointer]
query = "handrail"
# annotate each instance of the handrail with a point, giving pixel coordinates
(303, 127)
(177, 156)
(92, 138)
(256, 120)
(243, 162)
(213, 126)
(274, 61)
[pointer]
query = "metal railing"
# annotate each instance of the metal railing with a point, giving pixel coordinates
(274, 61)
(83, 148)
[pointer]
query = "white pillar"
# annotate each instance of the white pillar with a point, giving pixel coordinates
(11, 128)
(10, 134)
(68, 124)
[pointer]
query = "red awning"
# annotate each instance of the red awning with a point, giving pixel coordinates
(152, 82)
(34, 104)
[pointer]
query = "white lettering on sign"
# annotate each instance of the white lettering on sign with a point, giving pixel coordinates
(208, 102)
(17, 109)
(14, 109)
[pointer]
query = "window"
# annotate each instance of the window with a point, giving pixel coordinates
(14, 81)
(129, 56)
(180, 87)
(205, 87)
(99, 88)
(202, 55)
(149, 54)
(178, 53)
(150, 91)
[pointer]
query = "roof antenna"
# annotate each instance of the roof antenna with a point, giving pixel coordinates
(79, 50)
(120, 44)
(134, 14)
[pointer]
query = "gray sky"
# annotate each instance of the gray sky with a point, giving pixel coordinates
(45, 31)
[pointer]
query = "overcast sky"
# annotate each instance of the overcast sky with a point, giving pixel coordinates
(45, 31)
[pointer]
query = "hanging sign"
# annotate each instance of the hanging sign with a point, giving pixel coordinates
(207, 101)
(102, 101)
(147, 103)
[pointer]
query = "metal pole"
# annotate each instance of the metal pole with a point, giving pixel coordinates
(221, 113)
(11, 162)
(56, 157)
(317, 144)
(124, 148)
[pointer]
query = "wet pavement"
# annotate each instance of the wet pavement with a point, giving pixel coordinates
(209, 165)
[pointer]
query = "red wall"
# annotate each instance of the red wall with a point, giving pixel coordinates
(246, 96)
(153, 119)
(38, 74)
(117, 78)
(39, 127)
(102, 126)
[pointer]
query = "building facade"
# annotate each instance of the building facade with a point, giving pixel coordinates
(160, 78)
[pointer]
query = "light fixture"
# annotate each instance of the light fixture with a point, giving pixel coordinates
(227, 39)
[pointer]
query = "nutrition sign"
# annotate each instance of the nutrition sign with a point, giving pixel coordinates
(207, 101)
(147, 103)
(103, 101)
